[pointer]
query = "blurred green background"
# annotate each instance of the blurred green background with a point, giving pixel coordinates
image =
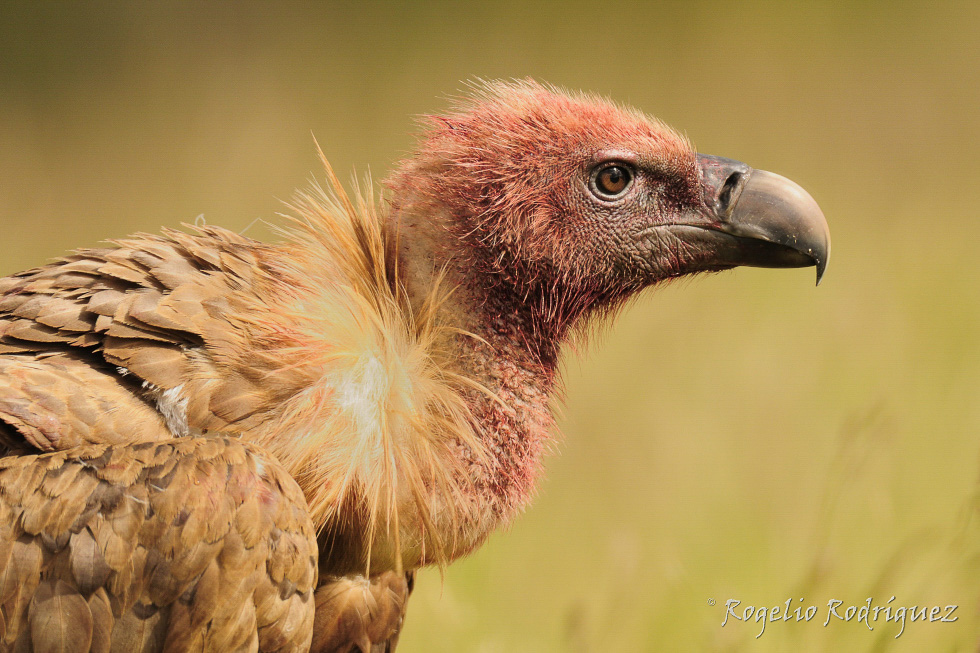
(738, 436)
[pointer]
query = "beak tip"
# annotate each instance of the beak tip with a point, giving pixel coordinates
(821, 264)
(823, 257)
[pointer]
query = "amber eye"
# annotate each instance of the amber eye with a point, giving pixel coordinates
(611, 182)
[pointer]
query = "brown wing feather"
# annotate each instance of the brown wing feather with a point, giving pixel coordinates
(197, 542)
(154, 313)
(361, 612)
(61, 401)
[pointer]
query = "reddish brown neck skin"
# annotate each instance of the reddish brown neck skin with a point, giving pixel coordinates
(514, 354)
(530, 309)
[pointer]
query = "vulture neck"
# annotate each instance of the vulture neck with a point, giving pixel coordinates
(501, 343)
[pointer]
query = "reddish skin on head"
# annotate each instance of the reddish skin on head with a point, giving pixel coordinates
(499, 195)
(510, 173)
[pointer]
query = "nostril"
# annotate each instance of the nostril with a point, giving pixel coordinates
(727, 195)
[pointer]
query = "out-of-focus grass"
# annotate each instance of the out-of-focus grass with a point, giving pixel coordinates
(737, 436)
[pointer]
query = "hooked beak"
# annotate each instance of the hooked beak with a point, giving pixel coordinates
(762, 219)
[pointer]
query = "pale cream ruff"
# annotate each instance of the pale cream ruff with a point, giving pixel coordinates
(382, 424)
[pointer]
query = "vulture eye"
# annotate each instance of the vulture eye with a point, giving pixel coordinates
(612, 181)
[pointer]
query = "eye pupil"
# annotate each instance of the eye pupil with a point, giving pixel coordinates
(613, 180)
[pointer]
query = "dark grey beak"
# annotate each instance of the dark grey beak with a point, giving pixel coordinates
(773, 221)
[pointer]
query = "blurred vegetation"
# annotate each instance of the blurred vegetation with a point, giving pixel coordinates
(739, 436)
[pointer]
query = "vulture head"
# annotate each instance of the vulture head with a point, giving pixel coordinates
(569, 203)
